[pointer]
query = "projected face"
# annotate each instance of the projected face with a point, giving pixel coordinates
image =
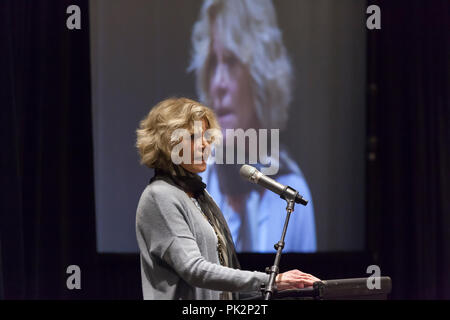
(230, 88)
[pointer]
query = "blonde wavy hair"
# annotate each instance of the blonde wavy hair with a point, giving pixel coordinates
(155, 133)
(249, 29)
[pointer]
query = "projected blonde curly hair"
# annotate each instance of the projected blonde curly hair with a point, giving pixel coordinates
(248, 29)
(154, 135)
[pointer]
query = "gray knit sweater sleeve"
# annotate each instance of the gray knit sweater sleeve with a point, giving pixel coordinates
(172, 234)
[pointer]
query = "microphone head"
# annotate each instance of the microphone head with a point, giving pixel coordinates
(248, 172)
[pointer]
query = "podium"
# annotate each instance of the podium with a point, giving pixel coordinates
(338, 289)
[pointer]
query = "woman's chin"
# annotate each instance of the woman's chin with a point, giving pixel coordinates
(195, 168)
(201, 167)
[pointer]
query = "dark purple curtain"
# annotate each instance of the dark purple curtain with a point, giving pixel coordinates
(409, 137)
(47, 213)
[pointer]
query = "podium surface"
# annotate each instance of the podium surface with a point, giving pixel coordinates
(340, 289)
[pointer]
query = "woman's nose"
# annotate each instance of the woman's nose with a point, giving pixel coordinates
(205, 142)
(220, 79)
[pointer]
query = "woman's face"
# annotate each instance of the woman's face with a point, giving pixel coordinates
(230, 88)
(200, 150)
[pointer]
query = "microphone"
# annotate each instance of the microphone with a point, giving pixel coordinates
(287, 193)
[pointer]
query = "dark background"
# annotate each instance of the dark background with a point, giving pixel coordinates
(47, 207)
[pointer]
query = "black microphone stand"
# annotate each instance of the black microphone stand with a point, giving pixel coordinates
(271, 288)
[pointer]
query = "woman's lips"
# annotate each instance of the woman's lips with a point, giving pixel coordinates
(227, 121)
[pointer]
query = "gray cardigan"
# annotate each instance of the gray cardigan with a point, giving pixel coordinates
(178, 249)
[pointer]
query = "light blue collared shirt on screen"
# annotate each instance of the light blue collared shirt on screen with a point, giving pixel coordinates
(266, 214)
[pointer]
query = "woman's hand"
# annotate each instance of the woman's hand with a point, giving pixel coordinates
(294, 279)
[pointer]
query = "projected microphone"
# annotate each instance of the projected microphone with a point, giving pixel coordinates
(287, 193)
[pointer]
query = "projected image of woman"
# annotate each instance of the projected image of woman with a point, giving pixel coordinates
(244, 73)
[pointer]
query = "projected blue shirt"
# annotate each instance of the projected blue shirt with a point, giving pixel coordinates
(266, 213)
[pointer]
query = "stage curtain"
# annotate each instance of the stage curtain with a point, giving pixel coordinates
(409, 139)
(47, 207)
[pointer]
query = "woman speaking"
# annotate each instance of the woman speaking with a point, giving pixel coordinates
(186, 248)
